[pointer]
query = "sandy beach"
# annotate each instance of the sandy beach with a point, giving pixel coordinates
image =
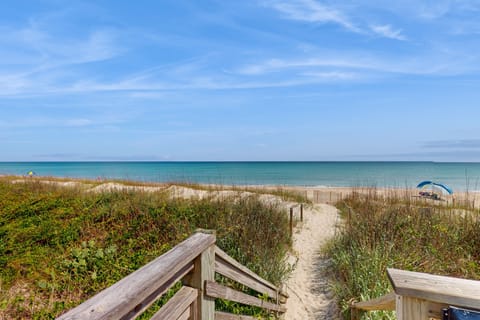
(317, 194)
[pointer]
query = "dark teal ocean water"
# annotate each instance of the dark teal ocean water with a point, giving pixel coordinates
(459, 176)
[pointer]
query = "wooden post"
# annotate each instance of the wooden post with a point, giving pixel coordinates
(330, 197)
(355, 314)
(399, 307)
(349, 217)
(408, 308)
(291, 221)
(204, 270)
(301, 212)
(194, 310)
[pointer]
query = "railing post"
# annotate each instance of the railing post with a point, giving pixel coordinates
(291, 221)
(408, 308)
(399, 307)
(204, 269)
(301, 212)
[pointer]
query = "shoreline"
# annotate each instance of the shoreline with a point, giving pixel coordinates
(317, 194)
(230, 185)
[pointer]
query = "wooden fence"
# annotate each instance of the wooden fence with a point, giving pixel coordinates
(299, 209)
(194, 262)
(330, 197)
(422, 296)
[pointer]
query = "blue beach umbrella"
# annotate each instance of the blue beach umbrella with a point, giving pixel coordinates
(434, 184)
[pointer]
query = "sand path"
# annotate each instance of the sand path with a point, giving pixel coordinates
(310, 297)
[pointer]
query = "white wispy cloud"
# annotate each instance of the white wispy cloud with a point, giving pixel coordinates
(145, 89)
(333, 75)
(267, 74)
(365, 64)
(434, 9)
(43, 49)
(50, 63)
(311, 11)
(276, 65)
(316, 12)
(46, 59)
(387, 31)
(42, 121)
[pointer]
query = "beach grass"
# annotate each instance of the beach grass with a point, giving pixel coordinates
(395, 231)
(59, 246)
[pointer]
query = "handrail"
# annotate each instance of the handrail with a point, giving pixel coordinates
(385, 302)
(232, 269)
(194, 261)
(178, 305)
(441, 289)
(216, 290)
(127, 297)
(228, 316)
(422, 296)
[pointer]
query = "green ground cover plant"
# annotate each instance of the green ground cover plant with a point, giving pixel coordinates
(60, 245)
(394, 231)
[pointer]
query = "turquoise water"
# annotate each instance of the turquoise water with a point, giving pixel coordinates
(459, 176)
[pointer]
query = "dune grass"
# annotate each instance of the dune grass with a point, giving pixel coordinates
(395, 231)
(59, 246)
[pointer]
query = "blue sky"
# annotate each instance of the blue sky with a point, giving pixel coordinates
(240, 80)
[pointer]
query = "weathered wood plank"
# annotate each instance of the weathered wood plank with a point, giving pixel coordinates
(440, 289)
(228, 316)
(145, 304)
(225, 269)
(216, 290)
(385, 302)
(184, 316)
(194, 311)
(177, 305)
(123, 297)
(204, 271)
(229, 260)
(408, 308)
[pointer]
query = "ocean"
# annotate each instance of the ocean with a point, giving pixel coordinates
(458, 176)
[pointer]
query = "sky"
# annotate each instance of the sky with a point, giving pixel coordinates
(224, 80)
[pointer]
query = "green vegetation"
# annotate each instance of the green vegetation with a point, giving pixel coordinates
(59, 245)
(382, 232)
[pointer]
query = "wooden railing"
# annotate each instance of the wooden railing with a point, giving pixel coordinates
(194, 263)
(423, 296)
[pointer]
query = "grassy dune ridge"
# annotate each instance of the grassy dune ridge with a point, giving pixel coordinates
(393, 230)
(60, 245)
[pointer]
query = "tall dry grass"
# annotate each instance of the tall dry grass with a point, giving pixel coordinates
(396, 231)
